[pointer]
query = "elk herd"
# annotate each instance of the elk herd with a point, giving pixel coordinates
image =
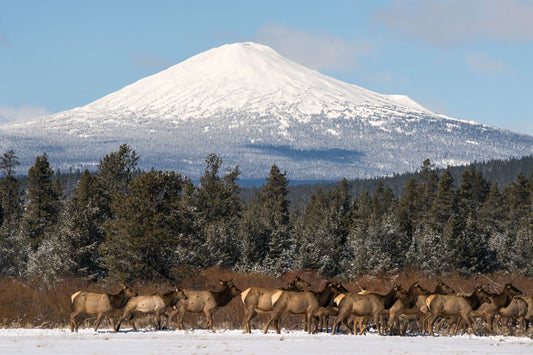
(399, 311)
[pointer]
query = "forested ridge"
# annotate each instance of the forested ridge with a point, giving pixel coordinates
(120, 223)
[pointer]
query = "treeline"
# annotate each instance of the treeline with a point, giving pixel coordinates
(122, 224)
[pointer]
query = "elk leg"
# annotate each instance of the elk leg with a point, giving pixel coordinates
(73, 324)
(268, 324)
(431, 322)
(248, 315)
(126, 315)
(209, 316)
(158, 319)
(181, 313)
(98, 320)
(112, 321)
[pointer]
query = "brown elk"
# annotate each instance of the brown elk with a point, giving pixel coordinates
(306, 302)
(413, 304)
(458, 306)
(331, 310)
(154, 304)
(205, 302)
(101, 304)
(365, 305)
(516, 311)
(499, 300)
(259, 299)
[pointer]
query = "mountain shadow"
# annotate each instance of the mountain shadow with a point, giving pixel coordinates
(336, 155)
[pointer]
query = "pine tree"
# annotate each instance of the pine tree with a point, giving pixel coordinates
(10, 193)
(517, 200)
(219, 210)
(492, 213)
(427, 184)
(147, 228)
(218, 197)
(44, 201)
(408, 211)
(265, 227)
(115, 171)
(472, 192)
(443, 206)
(322, 231)
(81, 225)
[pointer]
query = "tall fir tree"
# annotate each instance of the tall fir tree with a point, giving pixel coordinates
(115, 171)
(82, 225)
(265, 227)
(219, 209)
(13, 250)
(148, 225)
(443, 206)
(428, 181)
(10, 192)
(43, 201)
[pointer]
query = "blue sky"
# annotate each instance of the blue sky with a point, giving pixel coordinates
(466, 59)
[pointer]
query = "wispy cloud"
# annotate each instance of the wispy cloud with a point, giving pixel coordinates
(482, 63)
(448, 22)
(22, 113)
(319, 51)
(149, 61)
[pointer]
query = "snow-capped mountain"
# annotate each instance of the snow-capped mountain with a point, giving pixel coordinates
(255, 108)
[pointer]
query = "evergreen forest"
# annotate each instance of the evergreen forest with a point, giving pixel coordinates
(121, 224)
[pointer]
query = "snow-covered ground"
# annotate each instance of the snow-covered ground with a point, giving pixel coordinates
(86, 341)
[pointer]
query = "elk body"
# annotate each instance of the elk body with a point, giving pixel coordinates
(365, 305)
(259, 299)
(101, 304)
(153, 304)
(331, 310)
(458, 306)
(413, 303)
(498, 301)
(205, 302)
(305, 302)
(517, 310)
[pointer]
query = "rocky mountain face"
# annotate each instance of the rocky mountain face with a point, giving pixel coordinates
(255, 108)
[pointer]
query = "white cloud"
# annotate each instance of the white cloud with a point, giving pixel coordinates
(446, 22)
(22, 113)
(319, 51)
(482, 63)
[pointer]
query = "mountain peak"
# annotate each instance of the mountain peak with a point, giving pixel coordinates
(240, 76)
(254, 108)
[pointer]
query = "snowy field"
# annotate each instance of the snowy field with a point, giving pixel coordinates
(86, 341)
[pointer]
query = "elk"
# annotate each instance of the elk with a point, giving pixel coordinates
(258, 299)
(101, 304)
(458, 306)
(306, 302)
(156, 304)
(498, 301)
(205, 302)
(516, 310)
(331, 310)
(365, 305)
(413, 303)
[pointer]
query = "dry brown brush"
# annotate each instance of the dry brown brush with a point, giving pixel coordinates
(34, 304)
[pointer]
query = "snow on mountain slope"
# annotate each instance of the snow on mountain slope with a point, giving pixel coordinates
(241, 76)
(255, 108)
